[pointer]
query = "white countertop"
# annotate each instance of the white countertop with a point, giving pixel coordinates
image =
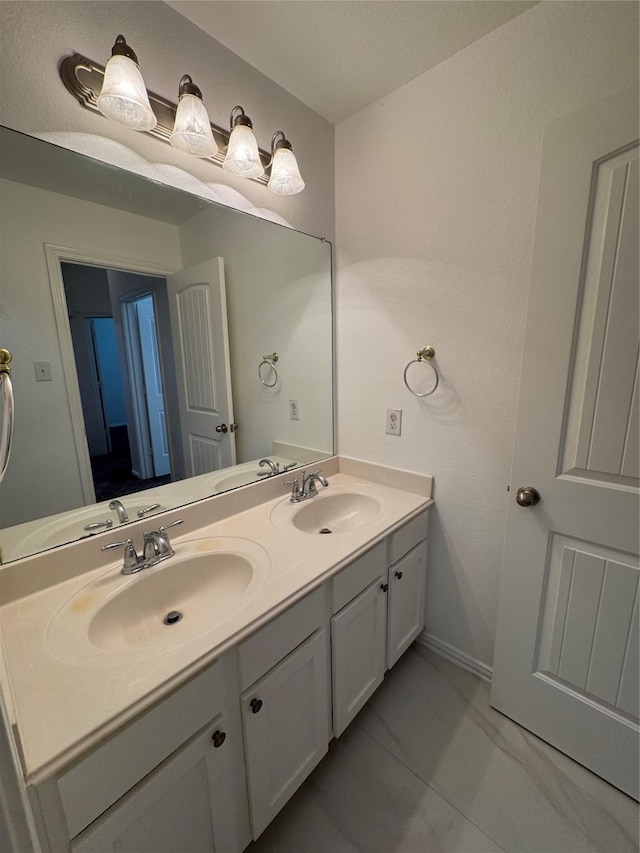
(64, 706)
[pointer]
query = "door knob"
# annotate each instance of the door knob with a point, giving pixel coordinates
(255, 705)
(527, 496)
(233, 427)
(221, 428)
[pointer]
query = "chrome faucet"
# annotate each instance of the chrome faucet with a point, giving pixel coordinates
(156, 547)
(122, 513)
(308, 488)
(274, 468)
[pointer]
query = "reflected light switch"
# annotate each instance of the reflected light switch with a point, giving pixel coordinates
(43, 371)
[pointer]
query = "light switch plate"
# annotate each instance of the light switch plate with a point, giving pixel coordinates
(43, 371)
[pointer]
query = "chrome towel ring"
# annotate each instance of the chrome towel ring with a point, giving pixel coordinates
(6, 401)
(269, 360)
(425, 355)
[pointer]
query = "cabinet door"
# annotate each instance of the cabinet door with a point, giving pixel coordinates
(196, 801)
(286, 723)
(358, 652)
(405, 619)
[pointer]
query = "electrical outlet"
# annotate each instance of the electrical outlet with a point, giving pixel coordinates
(294, 410)
(43, 371)
(394, 421)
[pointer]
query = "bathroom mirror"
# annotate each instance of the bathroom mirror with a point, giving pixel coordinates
(163, 345)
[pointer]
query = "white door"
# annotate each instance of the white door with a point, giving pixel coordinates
(194, 801)
(198, 311)
(154, 393)
(406, 610)
(286, 720)
(566, 658)
(124, 289)
(358, 652)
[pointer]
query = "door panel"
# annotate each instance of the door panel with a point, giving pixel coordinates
(154, 391)
(197, 306)
(566, 641)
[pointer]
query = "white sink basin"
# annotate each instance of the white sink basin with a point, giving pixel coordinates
(243, 478)
(333, 510)
(71, 525)
(202, 586)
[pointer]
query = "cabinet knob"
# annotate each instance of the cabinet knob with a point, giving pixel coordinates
(256, 704)
(398, 575)
(384, 587)
(218, 738)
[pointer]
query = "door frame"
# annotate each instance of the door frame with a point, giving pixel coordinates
(55, 256)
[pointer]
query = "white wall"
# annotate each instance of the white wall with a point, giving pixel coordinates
(35, 36)
(43, 476)
(278, 300)
(436, 190)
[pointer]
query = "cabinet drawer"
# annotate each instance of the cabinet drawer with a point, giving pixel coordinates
(351, 581)
(94, 784)
(270, 644)
(403, 540)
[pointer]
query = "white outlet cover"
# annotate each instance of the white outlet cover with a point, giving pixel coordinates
(394, 422)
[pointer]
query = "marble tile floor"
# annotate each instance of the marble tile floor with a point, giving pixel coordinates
(429, 766)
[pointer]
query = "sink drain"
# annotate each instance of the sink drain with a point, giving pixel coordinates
(172, 617)
(325, 530)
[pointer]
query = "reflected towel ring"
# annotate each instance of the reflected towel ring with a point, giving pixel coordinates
(6, 402)
(424, 355)
(270, 360)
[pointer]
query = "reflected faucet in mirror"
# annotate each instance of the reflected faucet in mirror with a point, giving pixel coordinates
(92, 220)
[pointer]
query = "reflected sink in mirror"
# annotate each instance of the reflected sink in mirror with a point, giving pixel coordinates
(251, 472)
(334, 510)
(36, 536)
(162, 608)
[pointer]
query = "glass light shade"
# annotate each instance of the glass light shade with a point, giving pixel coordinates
(242, 154)
(192, 129)
(285, 175)
(123, 98)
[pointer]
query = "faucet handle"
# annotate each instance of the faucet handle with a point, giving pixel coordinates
(295, 489)
(173, 524)
(131, 558)
(143, 512)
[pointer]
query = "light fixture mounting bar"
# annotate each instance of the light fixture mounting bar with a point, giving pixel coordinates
(83, 78)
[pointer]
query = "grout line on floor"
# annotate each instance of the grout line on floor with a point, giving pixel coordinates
(427, 785)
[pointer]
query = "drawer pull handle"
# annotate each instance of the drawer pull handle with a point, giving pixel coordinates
(398, 575)
(384, 587)
(218, 738)
(256, 704)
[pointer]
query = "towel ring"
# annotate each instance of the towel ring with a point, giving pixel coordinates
(270, 360)
(424, 355)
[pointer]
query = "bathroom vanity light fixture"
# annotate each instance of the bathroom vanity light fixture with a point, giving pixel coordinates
(123, 97)
(192, 129)
(242, 152)
(285, 175)
(119, 93)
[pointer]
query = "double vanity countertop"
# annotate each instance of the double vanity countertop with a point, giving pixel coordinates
(79, 656)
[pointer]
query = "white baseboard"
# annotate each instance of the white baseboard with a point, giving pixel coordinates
(449, 652)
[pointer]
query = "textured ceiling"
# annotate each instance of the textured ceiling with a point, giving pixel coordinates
(339, 56)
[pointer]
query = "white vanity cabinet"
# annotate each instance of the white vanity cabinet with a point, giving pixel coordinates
(210, 765)
(378, 605)
(172, 779)
(285, 713)
(188, 803)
